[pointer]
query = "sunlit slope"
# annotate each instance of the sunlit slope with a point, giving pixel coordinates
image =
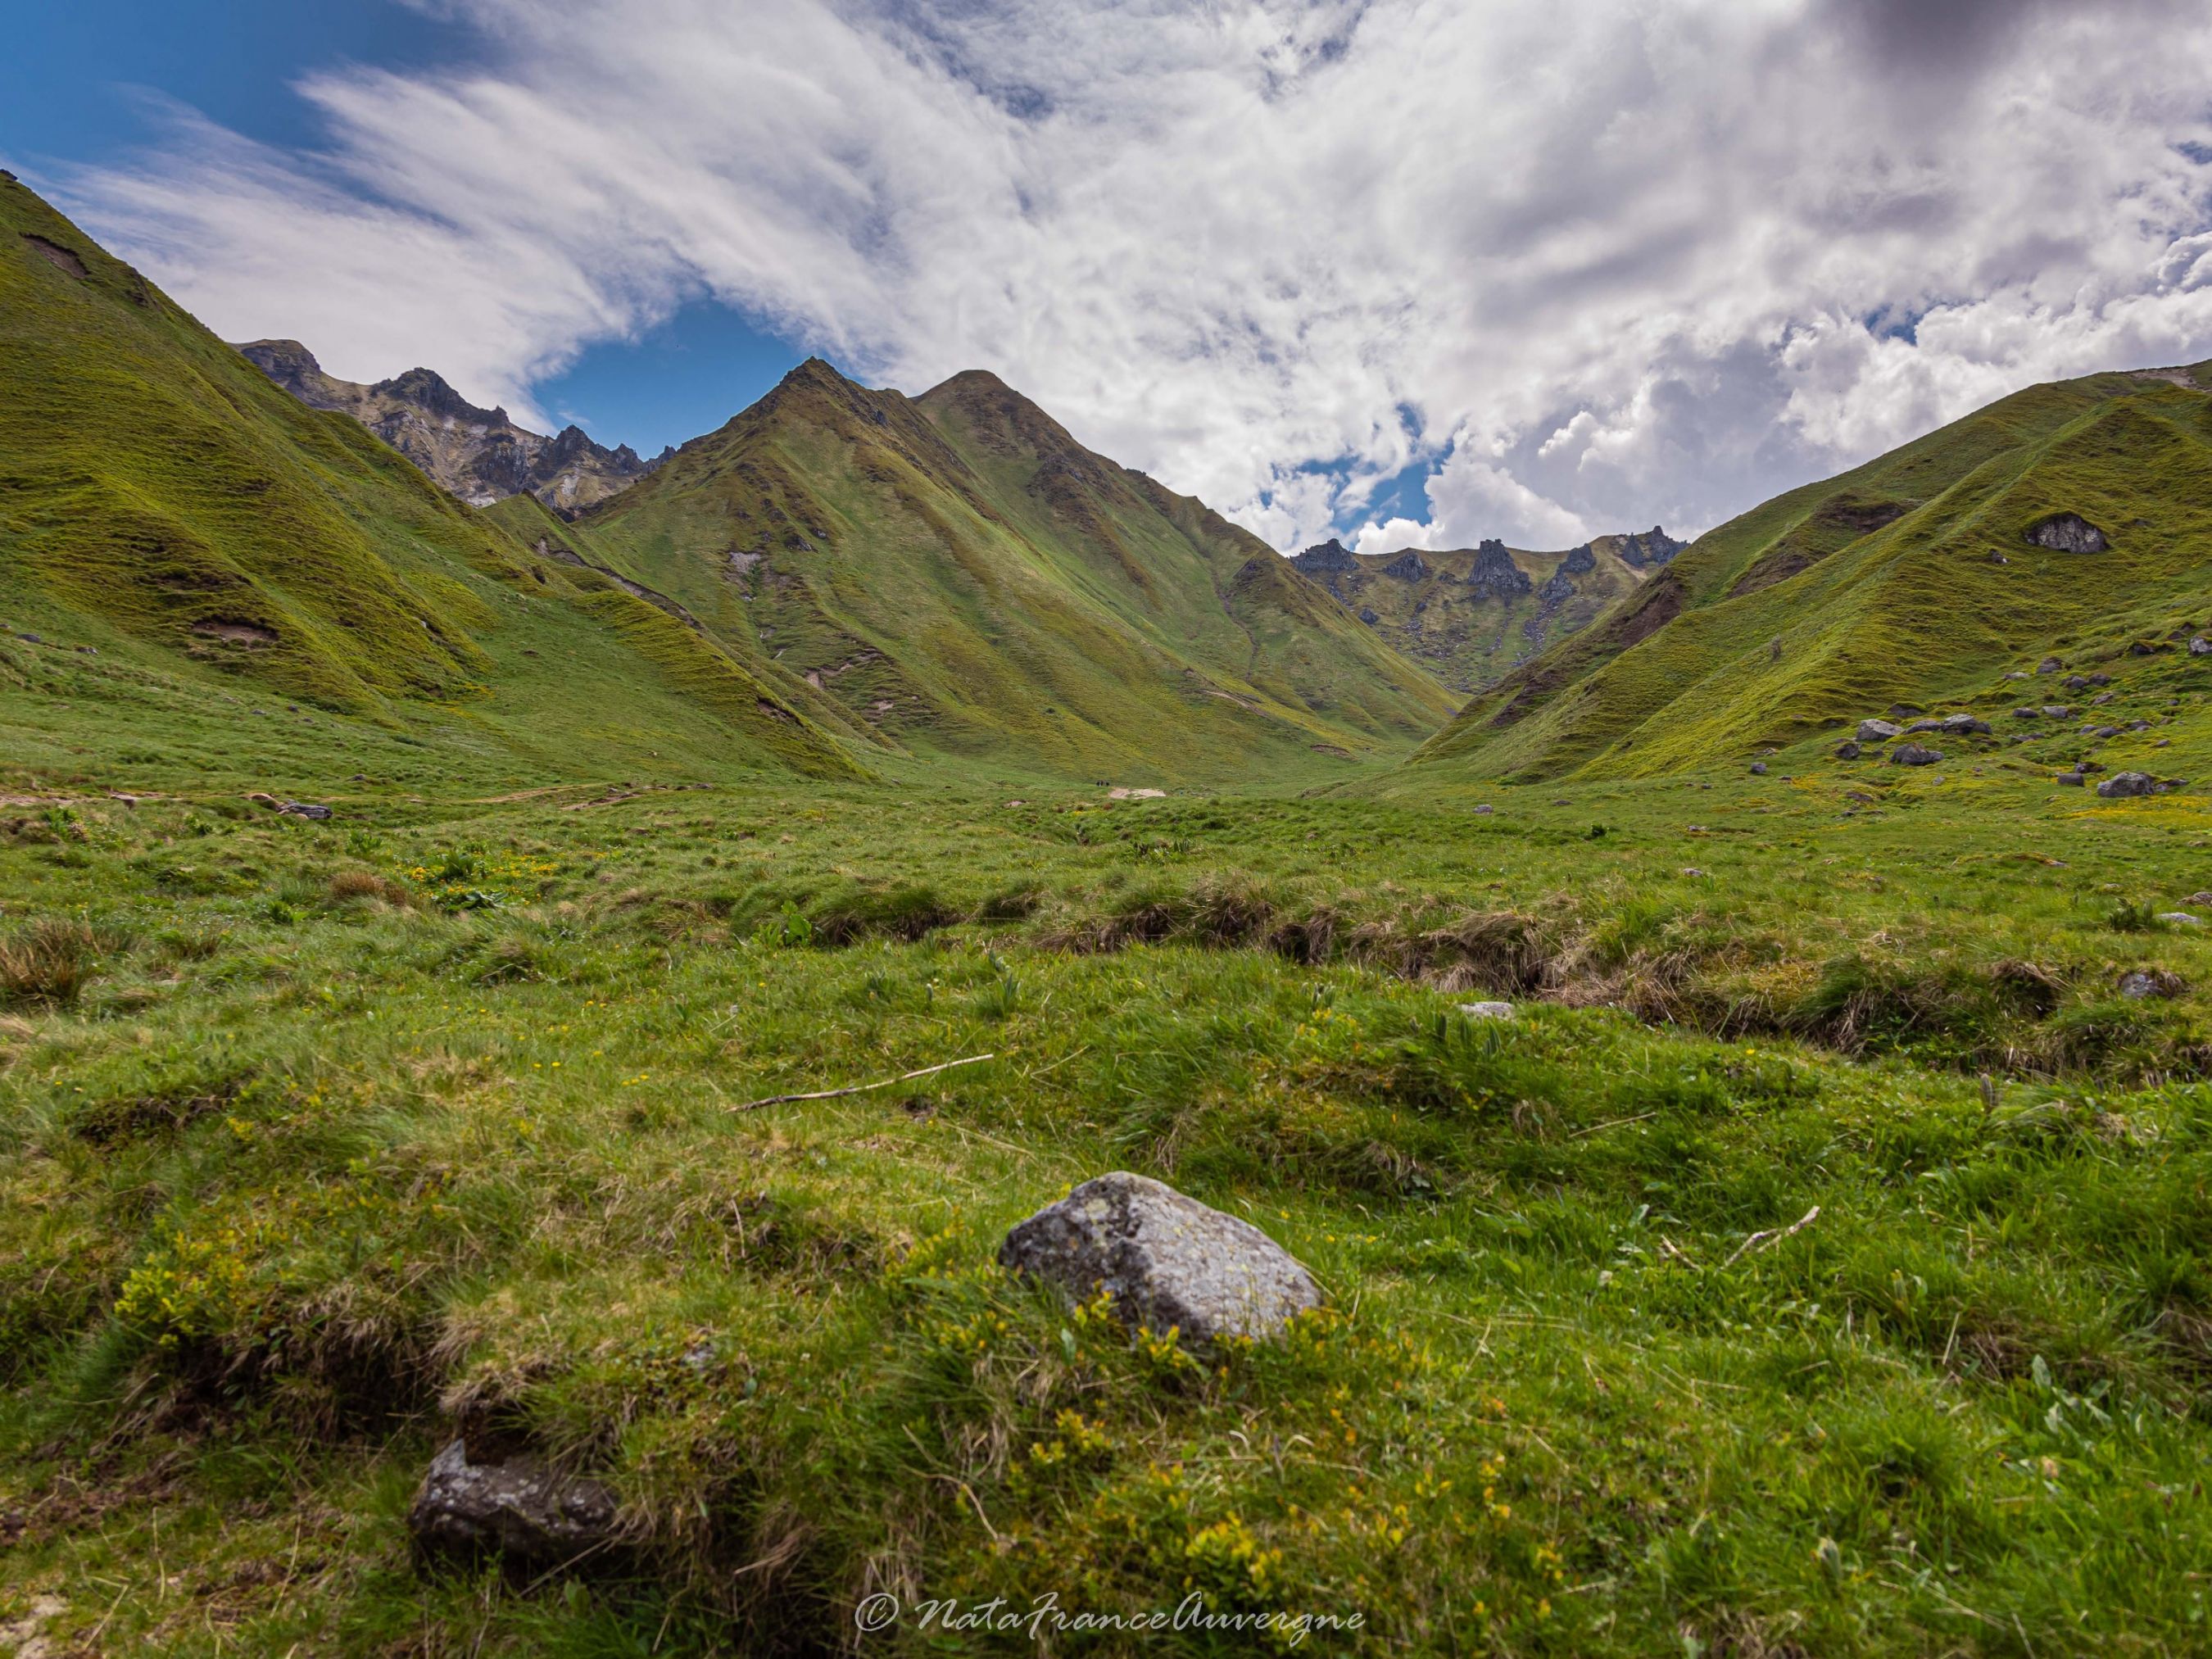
(958, 574)
(1911, 578)
(162, 502)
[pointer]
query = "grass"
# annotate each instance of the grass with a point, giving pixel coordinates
(364, 1127)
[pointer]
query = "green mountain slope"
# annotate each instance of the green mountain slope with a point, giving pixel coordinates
(163, 503)
(1469, 614)
(1917, 578)
(962, 577)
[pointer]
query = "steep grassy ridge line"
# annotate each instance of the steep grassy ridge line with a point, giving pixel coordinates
(1911, 578)
(958, 574)
(162, 500)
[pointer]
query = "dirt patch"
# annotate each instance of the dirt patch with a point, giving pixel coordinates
(59, 258)
(236, 633)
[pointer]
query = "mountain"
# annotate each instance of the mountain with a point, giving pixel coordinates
(1469, 613)
(187, 546)
(838, 581)
(2068, 523)
(479, 454)
(960, 574)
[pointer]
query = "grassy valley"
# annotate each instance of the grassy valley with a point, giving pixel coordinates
(1758, 1193)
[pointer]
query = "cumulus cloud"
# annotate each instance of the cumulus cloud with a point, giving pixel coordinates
(1597, 266)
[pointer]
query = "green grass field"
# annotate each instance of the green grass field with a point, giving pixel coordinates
(1818, 1261)
(318, 1135)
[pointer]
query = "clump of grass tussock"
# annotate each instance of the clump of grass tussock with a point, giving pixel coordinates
(347, 886)
(908, 912)
(51, 961)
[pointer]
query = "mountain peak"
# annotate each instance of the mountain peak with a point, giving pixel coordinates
(431, 393)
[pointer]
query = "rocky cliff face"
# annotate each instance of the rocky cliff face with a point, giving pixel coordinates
(479, 454)
(1471, 613)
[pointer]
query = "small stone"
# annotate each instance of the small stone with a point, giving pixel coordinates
(1912, 753)
(2049, 665)
(1485, 809)
(2057, 711)
(1168, 1262)
(2026, 714)
(1487, 1010)
(533, 1519)
(1759, 769)
(2179, 918)
(2200, 646)
(2074, 779)
(1848, 750)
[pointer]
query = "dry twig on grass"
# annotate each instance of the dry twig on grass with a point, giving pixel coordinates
(858, 1088)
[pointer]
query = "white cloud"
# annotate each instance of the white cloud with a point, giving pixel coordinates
(1627, 251)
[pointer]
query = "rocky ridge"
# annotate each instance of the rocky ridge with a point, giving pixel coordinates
(1470, 613)
(479, 454)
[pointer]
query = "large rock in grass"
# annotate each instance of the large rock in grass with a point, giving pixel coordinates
(2127, 783)
(1877, 731)
(1169, 1261)
(1913, 754)
(533, 1520)
(2067, 532)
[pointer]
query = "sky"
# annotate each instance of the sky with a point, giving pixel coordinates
(1411, 272)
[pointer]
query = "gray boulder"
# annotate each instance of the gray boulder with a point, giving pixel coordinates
(531, 1518)
(2200, 646)
(1169, 1261)
(2144, 982)
(1759, 769)
(1960, 726)
(1847, 750)
(1912, 753)
(2049, 665)
(2057, 711)
(1487, 1010)
(2073, 779)
(2027, 714)
(1877, 730)
(2068, 532)
(2126, 783)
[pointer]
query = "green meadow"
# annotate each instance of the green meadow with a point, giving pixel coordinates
(1817, 1260)
(722, 916)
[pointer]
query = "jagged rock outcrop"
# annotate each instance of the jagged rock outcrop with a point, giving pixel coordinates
(2068, 532)
(479, 454)
(1647, 548)
(1493, 572)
